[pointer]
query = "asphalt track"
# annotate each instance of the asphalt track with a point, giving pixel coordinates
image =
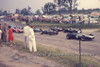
(59, 41)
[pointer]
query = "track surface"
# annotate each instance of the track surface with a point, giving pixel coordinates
(60, 41)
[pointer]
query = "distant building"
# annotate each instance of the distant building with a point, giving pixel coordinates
(95, 14)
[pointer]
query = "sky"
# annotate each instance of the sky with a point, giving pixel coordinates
(88, 4)
(11, 5)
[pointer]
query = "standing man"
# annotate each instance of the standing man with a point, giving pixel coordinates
(0, 35)
(32, 42)
(26, 31)
(4, 32)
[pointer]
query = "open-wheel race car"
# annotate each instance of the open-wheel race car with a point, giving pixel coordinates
(37, 30)
(49, 32)
(56, 29)
(80, 36)
(70, 30)
(18, 29)
(14, 29)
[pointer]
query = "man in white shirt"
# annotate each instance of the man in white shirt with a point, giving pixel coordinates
(32, 41)
(26, 32)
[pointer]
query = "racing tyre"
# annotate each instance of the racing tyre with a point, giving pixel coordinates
(83, 38)
(41, 33)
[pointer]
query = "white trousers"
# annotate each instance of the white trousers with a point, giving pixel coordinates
(32, 45)
(26, 42)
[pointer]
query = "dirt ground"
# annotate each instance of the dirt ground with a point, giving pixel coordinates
(10, 57)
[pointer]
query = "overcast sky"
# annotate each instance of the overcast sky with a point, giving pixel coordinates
(11, 5)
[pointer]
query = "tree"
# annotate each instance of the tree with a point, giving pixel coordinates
(38, 12)
(59, 4)
(49, 8)
(69, 4)
(1, 13)
(25, 11)
(72, 5)
(18, 11)
(5, 12)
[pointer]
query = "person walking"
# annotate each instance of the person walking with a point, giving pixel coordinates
(10, 36)
(4, 32)
(26, 41)
(0, 35)
(32, 41)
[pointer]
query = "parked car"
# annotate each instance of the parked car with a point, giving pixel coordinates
(80, 36)
(49, 32)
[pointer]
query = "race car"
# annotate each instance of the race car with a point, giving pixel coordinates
(80, 36)
(70, 30)
(18, 29)
(14, 29)
(49, 32)
(56, 29)
(37, 30)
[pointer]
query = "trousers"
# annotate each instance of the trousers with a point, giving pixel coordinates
(32, 45)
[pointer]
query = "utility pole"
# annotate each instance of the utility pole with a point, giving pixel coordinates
(80, 65)
(79, 53)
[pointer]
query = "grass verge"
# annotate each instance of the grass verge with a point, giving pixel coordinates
(59, 56)
(84, 26)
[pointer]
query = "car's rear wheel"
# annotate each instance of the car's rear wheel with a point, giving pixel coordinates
(50, 33)
(57, 33)
(68, 37)
(41, 33)
(83, 38)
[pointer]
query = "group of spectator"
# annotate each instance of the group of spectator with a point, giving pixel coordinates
(6, 34)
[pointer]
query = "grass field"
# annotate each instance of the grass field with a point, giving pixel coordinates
(84, 26)
(68, 59)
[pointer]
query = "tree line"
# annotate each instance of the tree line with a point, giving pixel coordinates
(66, 7)
(56, 7)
